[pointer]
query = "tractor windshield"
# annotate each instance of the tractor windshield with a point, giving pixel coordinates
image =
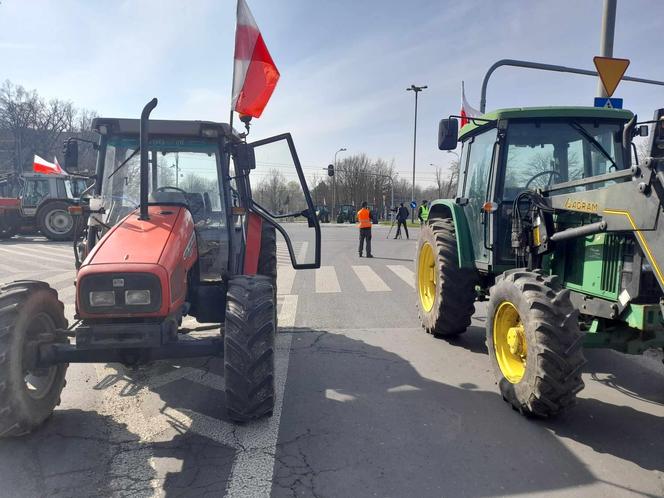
(182, 171)
(184, 166)
(541, 153)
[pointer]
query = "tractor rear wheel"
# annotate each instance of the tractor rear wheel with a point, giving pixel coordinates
(55, 222)
(446, 292)
(30, 314)
(534, 342)
(249, 338)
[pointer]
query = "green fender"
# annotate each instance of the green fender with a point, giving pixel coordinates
(448, 208)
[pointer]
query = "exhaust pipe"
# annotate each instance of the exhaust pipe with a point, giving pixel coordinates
(145, 170)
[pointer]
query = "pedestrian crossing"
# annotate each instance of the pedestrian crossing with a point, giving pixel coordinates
(54, 264)
(372, 278)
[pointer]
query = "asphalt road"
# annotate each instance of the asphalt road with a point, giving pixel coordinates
(368, 405)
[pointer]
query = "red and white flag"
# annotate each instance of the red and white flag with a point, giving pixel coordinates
(41, 165)
(466, 110)
(254, 73)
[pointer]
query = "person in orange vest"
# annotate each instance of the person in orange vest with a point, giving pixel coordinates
(364, 222)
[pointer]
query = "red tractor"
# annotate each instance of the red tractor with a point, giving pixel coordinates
(172, 230)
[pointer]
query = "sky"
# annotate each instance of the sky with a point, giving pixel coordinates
(345, 65)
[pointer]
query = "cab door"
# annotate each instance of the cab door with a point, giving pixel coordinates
(34, 192)
(475, 192)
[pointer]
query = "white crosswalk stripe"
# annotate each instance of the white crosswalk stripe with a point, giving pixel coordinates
(299, 248)
(38, 259)
(326, 280)
(370, 279)
(287, 310)
(404, 274)
(285, 279)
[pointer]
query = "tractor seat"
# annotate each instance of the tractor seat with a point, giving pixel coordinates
(196, 206)
(167, 197)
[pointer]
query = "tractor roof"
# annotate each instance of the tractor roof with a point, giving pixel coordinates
(548, 112)
(163, 127)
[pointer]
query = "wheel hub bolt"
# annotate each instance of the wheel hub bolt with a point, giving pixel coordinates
(514, 341)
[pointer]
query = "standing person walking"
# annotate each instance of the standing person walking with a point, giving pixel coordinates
(402, 218)
(364, 223)
(423, 212)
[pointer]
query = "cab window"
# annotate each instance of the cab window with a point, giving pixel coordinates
(541, 154)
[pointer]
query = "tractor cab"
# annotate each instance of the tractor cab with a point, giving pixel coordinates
(204, 168)
(510, 151)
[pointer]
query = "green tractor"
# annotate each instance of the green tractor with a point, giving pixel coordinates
(346, 213)
(557, 226)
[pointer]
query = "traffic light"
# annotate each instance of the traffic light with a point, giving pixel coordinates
(330, 170)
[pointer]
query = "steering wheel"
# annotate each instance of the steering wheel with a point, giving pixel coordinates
(550, 172)
(164, 189)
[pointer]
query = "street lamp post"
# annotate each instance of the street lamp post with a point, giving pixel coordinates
(334, 183)
(416, 89)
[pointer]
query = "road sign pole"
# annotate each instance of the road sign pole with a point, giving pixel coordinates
(412, 191)
(606, 40)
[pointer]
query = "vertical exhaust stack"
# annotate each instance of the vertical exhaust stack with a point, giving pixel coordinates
(145, 170)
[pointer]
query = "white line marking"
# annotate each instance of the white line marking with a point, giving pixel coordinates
(302, 253)
(253, 467)
(404, 274)
(50, 261)
(370, 279)
(285, 279)
(45, 249)
(288, 311)
(326, 280)
(62, 280)
(45, 252)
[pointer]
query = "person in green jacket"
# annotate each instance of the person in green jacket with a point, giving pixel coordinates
(423, 212)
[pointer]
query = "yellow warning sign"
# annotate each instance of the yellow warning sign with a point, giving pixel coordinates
(610, 72)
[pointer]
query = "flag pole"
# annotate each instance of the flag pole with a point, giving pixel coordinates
(237, 10)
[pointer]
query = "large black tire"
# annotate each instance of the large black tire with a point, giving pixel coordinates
(54, 221)
(249, 337)
(29, 311)
(549, 324)
(454, 288)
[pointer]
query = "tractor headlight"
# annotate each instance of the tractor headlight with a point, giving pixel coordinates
(102, 298)
(137, 297)
(121, 292)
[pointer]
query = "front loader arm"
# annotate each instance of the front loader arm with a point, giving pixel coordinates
(634, 205)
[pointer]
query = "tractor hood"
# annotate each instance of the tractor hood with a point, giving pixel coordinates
(134, 241)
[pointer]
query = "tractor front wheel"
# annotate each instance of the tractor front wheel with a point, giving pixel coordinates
(249, 338)
(446, 292)
(30, 315)
(55, 222)
(534, 342)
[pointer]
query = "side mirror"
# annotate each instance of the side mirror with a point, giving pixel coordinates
(642, 131)
(245, 159)
(448, 134)
(71, 155)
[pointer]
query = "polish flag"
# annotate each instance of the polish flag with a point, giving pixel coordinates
(466, 110)
(254, 73)
(41, 165)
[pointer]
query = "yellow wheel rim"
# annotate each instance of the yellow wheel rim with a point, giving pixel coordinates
(509, 342)
(426, 277)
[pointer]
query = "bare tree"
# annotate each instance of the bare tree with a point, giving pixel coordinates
(32, 125)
